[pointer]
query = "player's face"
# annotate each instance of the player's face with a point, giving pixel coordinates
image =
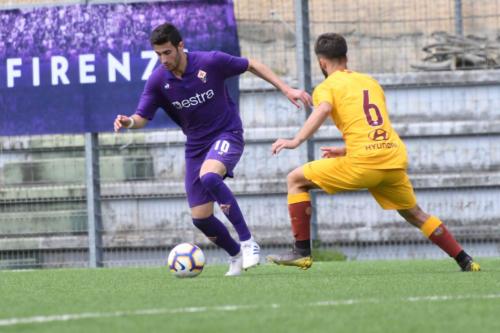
(169, 55)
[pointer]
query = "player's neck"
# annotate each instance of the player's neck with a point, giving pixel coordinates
(181, 67)
(335, 67)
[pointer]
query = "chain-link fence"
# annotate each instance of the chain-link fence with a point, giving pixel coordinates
(438, 63)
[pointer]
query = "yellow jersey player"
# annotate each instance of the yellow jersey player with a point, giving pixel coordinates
(374, 157)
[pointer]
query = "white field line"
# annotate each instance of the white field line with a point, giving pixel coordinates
(228, 308)
(15, 271)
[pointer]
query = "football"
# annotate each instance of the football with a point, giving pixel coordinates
(186, 260)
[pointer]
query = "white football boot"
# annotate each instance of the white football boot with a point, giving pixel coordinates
(251, 253)
(235, 265)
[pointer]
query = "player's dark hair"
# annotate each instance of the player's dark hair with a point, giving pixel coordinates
(331, 46)
(165, 33)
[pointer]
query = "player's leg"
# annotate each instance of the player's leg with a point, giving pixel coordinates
(213, 228)
(220, 162)
(217, 232)
(332, 175)
(434, 229)
(211, 175)
(201, 204)
(299, 209)
(396, 192)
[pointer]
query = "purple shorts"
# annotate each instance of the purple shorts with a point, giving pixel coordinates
(226, 148)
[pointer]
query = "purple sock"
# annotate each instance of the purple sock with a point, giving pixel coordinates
(227, 202)
(217, 232)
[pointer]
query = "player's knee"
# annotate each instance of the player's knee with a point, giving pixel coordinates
(292, 178)
(210, 180)
(295, 180)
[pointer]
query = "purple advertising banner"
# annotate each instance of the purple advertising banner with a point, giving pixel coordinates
(72, 69)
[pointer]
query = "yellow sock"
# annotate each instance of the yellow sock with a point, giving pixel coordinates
(298, 197)
(430, 225)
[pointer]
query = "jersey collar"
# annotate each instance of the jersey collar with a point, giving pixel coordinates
(190, 68)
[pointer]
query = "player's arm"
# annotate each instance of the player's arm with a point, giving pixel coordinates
(317, 117)
(146, 108)
(132, 122)
(265, 73)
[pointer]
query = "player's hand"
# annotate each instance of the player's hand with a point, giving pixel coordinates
(281, 144)
(120, 122)
(295, 95)
(331, 152)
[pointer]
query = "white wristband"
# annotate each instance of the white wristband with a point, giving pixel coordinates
(132, 122)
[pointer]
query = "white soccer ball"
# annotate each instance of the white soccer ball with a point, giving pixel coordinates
(186, 260)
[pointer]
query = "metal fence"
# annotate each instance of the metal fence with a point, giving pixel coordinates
(438, 61)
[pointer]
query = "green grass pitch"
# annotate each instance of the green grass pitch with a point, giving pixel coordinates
(353, 296)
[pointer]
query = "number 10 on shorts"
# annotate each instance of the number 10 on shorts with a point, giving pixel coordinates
(221, 146)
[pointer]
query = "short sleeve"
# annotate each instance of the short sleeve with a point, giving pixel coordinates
(229, 65)
(321, 94)
(148, 103)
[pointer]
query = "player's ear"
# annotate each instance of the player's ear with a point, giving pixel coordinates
(181, 45)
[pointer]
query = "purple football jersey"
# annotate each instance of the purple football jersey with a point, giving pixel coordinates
(198, 102)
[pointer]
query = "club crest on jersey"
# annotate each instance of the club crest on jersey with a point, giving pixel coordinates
(202, 75)
(166, 86)
(379, 135)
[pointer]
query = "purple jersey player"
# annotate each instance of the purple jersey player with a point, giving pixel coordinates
(190, 88)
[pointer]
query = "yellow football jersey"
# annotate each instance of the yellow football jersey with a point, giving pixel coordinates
(359, 112)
